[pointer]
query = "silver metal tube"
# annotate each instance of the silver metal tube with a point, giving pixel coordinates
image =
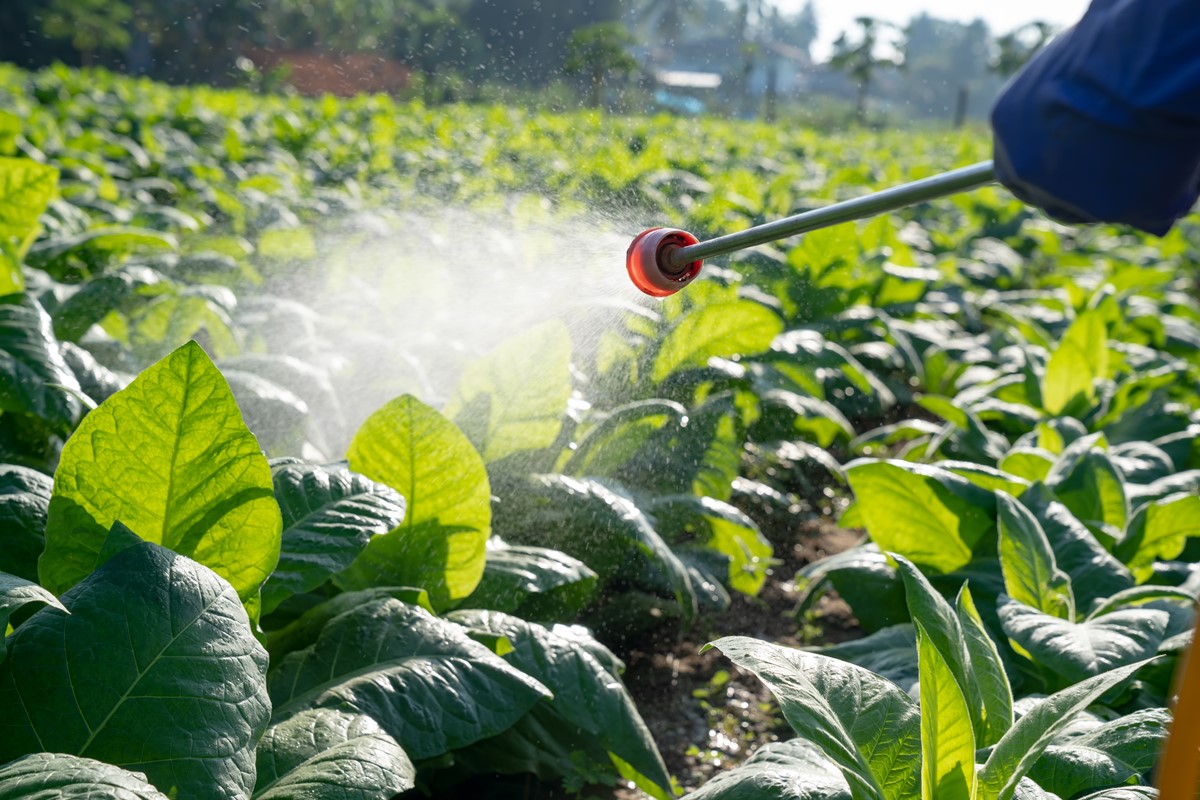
(952, 182)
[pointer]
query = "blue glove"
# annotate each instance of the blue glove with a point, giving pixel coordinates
(1104, 124)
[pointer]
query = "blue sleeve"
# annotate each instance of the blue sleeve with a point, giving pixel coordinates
(1104, 124)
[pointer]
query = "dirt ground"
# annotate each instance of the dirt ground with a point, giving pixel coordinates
(705, 714)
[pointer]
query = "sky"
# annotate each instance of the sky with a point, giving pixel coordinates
(835, 16)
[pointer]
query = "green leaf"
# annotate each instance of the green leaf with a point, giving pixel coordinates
(1159, 530)
(534, 583)
(169, 321)
(440, 546)
(26, 188)
(329, 516)
(422, 679)
(597, 523)
(864, 724)
(1124, 793)
(720, 528)
(791, 770)
(1080, 358)
(152, 638)
(1087, 482)
(1112, 754)
(718, 330)
(864, 578)
(45, 776)
(987, 671)
(985, 477)
(615, 439)
(171, 459)
(1140, 595)
(16, 593)
(24, 503)
(1030, 463)
(303, 631)
(595, 707)
(34, 378)
(1031, 575)
(514, 398)
(324, 754)
(947, 738)
(1016, 753)
(1076, 651)
(890, 653)
(1095, 573)
(930, 516)
(788, 415)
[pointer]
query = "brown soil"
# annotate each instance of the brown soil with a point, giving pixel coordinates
(707, 715)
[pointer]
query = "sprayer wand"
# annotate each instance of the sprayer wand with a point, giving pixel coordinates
(661, 261)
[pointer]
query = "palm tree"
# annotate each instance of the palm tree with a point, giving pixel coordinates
(859, 59)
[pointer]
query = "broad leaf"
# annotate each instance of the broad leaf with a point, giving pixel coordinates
(329, 516)
(1031, 575)
(723, 329)
(1076, 651)
(44, 776)
(24, 504)
(1089, 484)
(1112, 754)
(720, 528)
(930, 516)
(440, 544)
(614, 440)
(330, 755)
(171, 459)
(791, 770)
(890, 653)
(1095, 573)
(1159, 530)
(34, 378)
(1016, 753)
(864, 724)
(1029, 463)
(426, 683)
(115, 686)
(26, 188)
(514, 398)
(595, 710)
(16, 593)
(987, 671)
(1080, 358)
(947, 738)
(534, 583)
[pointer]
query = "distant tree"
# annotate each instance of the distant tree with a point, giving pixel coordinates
(1015, 48)
(668, 18)
(798, 30)
(598, 52)
(861, 59)
(92, 26)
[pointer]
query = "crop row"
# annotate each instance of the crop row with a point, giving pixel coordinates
(250, 585)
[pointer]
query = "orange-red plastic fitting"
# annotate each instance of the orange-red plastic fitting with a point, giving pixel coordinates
(649, 265)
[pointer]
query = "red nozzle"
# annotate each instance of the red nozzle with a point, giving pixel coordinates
(649, 264)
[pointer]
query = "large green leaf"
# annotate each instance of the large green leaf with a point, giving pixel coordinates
(329, 516)
(791, 770)
(615, 439)
(1080, 358)
(947, 737)
(930, 516)
(1112, 754)
(534, 583)
(514, 398)
(1095, 573)
(890, 653)
(719, 528)
(595, 710)
(864, 724)
(325, 754)
(1015, 754)
(1159, 530)
(440, 545)
(48, 776)
(154, 641)
(26, 188)
(171, 459)
(1090, 485)
(426, 683)
(1031, 575)
(24, 504)
(34, 378)
(721, 330)
(1076, 651)
(16, 593)
(987, 671)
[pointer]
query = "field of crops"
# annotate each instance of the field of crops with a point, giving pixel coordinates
(337, 462)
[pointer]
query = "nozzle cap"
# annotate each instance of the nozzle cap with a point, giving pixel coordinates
(648, 261)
